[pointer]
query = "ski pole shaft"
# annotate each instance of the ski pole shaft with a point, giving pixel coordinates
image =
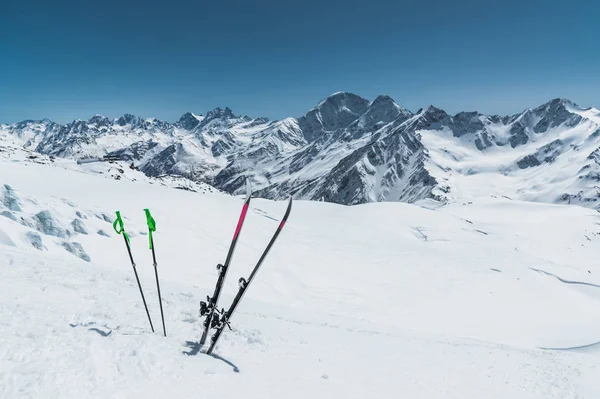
(151, 229)
(121, 230)
(159, 296)
(137, 279)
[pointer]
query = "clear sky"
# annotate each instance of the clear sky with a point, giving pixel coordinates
(66, 59)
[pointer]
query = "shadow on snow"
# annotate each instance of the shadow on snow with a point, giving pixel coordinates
(195, 349)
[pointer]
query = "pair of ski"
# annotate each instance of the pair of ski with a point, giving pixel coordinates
(216, 319)
(119, 228)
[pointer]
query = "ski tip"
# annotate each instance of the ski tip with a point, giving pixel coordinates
(248, 190)
(287, 211)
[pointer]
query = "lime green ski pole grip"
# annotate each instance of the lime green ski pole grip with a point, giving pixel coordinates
(151, 227)
(119, 227)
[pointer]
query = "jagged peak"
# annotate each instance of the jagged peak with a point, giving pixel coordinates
(429, 115)
(562, 101)
(260, 119)
(99, 119)
(127, 119)
(387, 101)
(555, 104)
(383, 99)
(468, 114)
(189, 120)
(434, 110)
(220, 113)
(191, 115)
(33, 121)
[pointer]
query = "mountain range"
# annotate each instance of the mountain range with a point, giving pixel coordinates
(350, 150)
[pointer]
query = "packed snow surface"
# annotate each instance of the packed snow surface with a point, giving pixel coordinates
(491, 298)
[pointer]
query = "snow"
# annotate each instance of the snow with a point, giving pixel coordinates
(380, 300)
(200, 118)
(5, 239)
(472, 173)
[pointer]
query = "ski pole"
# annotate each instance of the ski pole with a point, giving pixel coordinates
(120, 229)
(151, 229)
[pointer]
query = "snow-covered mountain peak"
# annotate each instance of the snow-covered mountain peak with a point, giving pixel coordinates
(560, 102)
(554, 106)
(433, 110)
(28, 132)
(335, 112)
(219, 113)
(554, 113)
(146, 124)
(382, 111)
(386, 101)
(128, 119)
(431, 118)
(29, 123)
(100, 120)
(189, 121)
(342, 98)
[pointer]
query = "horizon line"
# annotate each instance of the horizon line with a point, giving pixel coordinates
(280, 119)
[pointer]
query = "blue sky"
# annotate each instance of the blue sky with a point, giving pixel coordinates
(72, 59)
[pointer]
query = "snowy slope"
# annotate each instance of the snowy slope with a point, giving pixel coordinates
(378, 300)
(552, 157)
(117, 170)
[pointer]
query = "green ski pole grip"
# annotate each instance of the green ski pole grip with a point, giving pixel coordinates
(151, 227)
(119, 227)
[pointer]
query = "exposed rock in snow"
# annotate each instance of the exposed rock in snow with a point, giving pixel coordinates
(10, 199)
(76, 249)
(78, 226)
(35, 239)
(48, 225)
(8, 214)
(334, 113)
(546, 154)
(106, 218)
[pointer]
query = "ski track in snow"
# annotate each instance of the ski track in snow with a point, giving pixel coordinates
(379, 301)
(566, 281)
